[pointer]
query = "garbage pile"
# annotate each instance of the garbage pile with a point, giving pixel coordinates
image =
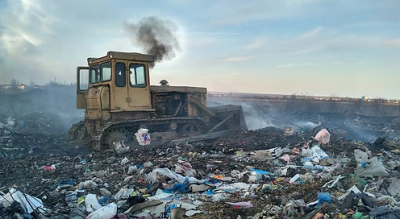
(38, 133)
(246, 174)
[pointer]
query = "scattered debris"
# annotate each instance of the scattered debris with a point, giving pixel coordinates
(262, 173)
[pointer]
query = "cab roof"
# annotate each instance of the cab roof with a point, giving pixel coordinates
(133, 56)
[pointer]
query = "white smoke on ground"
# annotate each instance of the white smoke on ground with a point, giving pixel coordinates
(255, 117)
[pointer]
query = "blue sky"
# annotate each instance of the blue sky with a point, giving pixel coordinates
(318, 47)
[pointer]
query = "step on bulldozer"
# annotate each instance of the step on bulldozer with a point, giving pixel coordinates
(118, 100)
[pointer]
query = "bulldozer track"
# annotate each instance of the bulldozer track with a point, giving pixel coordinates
(98, 140)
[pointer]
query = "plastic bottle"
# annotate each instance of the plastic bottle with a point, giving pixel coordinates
(294, 178)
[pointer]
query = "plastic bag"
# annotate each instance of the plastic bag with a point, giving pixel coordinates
(87, 184)
(28, 203)
(255, 177)
(324, 197)
(241, 204)
(361, 157)
(323, 136)
(184, 167)
(371, 169)
(124, 161)
(106, 212)
(165, 172)
(120, 147)
(319, 153)
(306, 152)
(143, 136)
(132, 169)
(123, 194)
(334, 167)
(91, 203)
(394, 188)
(262, 155)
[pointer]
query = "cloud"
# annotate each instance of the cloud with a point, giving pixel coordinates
(376, 23)
(324, 40)
(307, 50)
(392, 43)
(26, 25)
(318, 64)
(233, 12)
(310, 35)
(43, 41)
(238, 59)
(257, 43)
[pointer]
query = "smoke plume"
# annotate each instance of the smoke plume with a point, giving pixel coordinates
(156, 36)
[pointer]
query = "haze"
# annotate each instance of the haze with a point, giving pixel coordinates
(344, 48)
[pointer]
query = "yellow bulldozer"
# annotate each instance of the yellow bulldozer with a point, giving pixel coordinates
(118, 100)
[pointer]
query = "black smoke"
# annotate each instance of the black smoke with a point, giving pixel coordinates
(156, 36)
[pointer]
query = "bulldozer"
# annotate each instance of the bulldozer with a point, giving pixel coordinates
(118, 100)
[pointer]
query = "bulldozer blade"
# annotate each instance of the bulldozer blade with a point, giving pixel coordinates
(230, 116)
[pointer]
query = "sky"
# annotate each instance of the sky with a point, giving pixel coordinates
(314, 47)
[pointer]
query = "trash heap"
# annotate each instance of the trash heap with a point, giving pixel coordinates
(42, 133)
(247, 174)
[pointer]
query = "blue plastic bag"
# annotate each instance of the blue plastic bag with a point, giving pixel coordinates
(262, 172)
(324, 197)
(178, 187)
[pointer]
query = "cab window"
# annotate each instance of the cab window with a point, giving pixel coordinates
(94, 74)
(120, 80)
(137, 75)
(83, 79)
(106, 71)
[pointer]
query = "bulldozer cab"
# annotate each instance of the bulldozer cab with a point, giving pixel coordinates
(114, 83)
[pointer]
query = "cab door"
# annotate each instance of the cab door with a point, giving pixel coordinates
(82, 83)
(138, 86)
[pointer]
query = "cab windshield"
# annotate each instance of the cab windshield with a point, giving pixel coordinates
(100, 73)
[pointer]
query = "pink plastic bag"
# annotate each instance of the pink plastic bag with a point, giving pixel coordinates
(48, 168)
(323, 136)
(286, 158)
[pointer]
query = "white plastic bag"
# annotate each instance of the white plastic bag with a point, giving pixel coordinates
(132, 169)
(28, 203)
(394, 188)
(123, 194)
(319, 153)
(87, 184)
(254, 177)
(106, 212)
(143, 136)
(120, 147)
(262, 155)
(124, 161)
(371, 169)
(91, 203)
(184, 167)
(360, 156)
(306, 152)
